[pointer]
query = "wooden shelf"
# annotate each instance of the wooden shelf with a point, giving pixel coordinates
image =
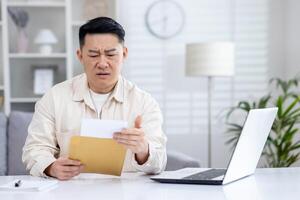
(33, 3)
(24, 100)
(37, 55)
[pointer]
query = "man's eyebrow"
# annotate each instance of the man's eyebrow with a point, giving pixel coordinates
(98, 51)
(94, 51)
(110, 50)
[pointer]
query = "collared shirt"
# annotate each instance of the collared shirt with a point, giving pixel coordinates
(58, 116)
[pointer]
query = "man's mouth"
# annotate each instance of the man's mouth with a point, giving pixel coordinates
(103, 74)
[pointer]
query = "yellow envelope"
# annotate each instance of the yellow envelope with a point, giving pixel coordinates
(99, 155)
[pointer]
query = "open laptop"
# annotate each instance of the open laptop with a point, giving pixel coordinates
(244, 158)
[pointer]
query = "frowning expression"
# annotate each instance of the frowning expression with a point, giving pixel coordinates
(102, 56)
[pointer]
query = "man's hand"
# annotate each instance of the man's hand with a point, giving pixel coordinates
(135, 140)
(64, 168)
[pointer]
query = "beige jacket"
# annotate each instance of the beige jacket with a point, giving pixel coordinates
(58, 116)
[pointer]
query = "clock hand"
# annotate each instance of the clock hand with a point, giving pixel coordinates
(165, 20)
(158, 20)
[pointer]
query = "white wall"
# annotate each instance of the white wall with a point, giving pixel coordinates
(284, 38)
(292, 37)
(277, 52)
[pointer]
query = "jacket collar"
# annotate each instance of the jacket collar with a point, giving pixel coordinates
(81, 90)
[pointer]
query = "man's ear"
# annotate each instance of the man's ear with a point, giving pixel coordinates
(125, 52)
(79, 55)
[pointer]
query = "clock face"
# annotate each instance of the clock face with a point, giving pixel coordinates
(165, 19)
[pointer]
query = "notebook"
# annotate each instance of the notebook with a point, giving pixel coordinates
(28, 185)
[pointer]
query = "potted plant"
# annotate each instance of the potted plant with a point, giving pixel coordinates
(282, 146)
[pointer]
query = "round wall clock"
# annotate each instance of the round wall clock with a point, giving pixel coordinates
(165, 18)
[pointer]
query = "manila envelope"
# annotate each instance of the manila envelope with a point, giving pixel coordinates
(99, 155)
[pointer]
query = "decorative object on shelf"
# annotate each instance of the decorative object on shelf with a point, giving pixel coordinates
(45, 38)
(283, 144)
(211, 60)
(165, 19)
(43, 78)
(95, 8)
(20, 18)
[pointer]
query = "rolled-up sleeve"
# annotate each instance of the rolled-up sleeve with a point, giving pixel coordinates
(41, 144)
(152, 126)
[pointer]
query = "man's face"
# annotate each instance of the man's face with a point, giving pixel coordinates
(102, 56)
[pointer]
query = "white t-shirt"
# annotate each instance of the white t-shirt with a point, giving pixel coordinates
(98, 100)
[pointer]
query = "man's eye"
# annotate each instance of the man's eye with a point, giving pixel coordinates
(111, 55)
(93, 56)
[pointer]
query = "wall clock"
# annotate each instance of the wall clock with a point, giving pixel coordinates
(165, 19)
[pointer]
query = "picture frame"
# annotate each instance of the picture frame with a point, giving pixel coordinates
(43, 79)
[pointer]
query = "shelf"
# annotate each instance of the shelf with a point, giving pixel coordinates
(24, 100)
(37, 55)
(63, 18)
(33, 3)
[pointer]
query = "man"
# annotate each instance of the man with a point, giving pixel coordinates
(101, 92)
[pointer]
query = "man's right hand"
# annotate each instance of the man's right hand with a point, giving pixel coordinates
(64, 168)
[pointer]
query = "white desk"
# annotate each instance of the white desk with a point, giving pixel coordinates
(265, 184)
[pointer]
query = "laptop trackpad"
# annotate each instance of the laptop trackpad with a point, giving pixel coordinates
(211, 174)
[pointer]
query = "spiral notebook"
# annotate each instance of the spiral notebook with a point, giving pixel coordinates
(28, 185)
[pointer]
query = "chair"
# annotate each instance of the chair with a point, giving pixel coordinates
(177, 160)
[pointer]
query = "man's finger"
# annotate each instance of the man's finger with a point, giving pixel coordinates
(65, 177)
(70, 162)
(127, 137)
(127, 142)
(138, 122)
(70, 168)
(131, 131)
(81, 168)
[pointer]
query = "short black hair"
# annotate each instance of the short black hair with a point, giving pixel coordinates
(101, 25)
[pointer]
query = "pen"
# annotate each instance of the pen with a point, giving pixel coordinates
(18, 183)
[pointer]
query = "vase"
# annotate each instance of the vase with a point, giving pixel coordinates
(95, 8)
(22, 42)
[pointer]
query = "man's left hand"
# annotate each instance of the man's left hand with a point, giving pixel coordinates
(135, 140)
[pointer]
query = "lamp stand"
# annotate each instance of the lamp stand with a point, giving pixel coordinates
(209, 92)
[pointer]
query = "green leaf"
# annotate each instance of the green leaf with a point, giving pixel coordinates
(244, 105)
(295, 112)
(279, 105)
(290, 107)
(262, 103)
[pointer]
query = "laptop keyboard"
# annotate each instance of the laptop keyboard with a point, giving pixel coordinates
(206, 175)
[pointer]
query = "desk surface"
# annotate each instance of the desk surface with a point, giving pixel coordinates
(266, 184)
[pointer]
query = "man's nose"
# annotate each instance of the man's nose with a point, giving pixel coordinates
(102, 61)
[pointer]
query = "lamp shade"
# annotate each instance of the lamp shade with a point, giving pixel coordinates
(210, 59)
(45, 36)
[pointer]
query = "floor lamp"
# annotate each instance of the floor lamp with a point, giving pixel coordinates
(210, 60)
